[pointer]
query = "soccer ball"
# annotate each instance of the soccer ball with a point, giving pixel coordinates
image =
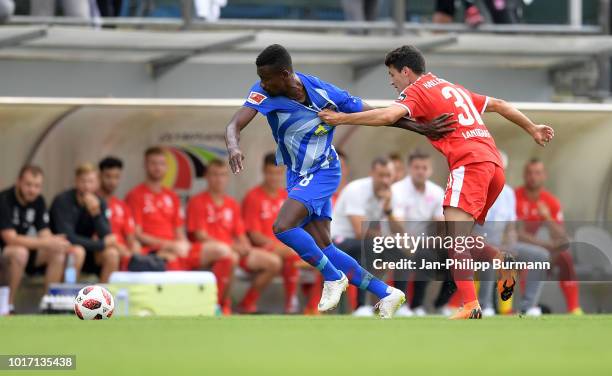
(94, 303)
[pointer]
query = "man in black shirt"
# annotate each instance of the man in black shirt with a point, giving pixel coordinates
(25, 239)
(79, 214)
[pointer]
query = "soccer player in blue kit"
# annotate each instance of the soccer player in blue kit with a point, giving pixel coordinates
(291, 101)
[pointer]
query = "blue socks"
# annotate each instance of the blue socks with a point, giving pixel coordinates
(303, 243)
(356, 275)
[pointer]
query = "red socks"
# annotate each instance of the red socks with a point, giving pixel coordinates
(291, 275)
(223, 270)
(249, 302)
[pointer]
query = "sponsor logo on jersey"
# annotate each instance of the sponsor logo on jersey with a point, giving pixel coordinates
(401, 97)
(256, 98)
(321, 130)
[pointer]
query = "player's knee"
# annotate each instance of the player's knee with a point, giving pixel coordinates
(78, 252)
(17, 255)
(111, 256)
(58, 258)
(276, 264)
(220, 250)
(280, 226)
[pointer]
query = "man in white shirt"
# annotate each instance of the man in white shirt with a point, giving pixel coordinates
(419, 203)
(365, 209)
(500, 230)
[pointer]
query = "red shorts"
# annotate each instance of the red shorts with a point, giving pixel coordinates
(474, 188)
(192, 261)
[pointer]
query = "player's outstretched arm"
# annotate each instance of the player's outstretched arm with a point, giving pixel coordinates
(542, 134)
(435, 130)
(377, 117)
(239, 121)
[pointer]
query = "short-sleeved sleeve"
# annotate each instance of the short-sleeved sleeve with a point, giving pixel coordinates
(134, 202)
(179, 214)
(556, 212)
(41, 221)
(195, 215)
(5, 213)
(258, 100)
(480, 101)
(410, 101)
(357, 200)
(251, 207)
(239, 228)
(342, 98)
(130, 225)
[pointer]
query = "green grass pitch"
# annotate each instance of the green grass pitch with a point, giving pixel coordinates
(327, 345)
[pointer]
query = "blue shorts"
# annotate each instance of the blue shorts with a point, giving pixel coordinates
(314, 191)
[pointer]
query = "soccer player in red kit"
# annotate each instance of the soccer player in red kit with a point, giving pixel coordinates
(477, 175)
(214, 215)
(260, 207)
(537, 208)
(118, 213)
(160, 226)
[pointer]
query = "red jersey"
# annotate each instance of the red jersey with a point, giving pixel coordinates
(527, 209)
(221, 222)
(158, 213)
(120, 219)
(259, 210)
(471, 142)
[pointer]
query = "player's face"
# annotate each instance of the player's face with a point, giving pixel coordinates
(273, 176)
(420, 170)
(535, 175)
(399, 79)
(273, 80)
(29, 186)
(87, 183)
(217, 178)
(382, 176)
(109, 180)
(156, 167)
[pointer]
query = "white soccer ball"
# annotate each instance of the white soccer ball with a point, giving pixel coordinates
(94, 303)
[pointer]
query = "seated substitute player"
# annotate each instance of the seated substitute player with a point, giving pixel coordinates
(26, 243)
(541, 224)
(118, 213)
(260, 207)
(369, 202)
(290, 101)
(79, 214)
(477, 175)
(160, 225)
(213, 215)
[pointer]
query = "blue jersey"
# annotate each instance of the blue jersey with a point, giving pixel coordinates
(304, 141)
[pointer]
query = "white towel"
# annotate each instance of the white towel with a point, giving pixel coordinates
(210, 10)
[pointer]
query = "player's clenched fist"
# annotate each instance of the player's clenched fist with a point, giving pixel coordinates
(331, 117)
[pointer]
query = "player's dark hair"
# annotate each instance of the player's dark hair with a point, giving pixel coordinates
(153, 150)
(406, 56)
(109, 163)
(275, 55)
(534, 160)
(32, 169)
(395, 156)
(380, 161)
(269, 159)
(417, 154)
